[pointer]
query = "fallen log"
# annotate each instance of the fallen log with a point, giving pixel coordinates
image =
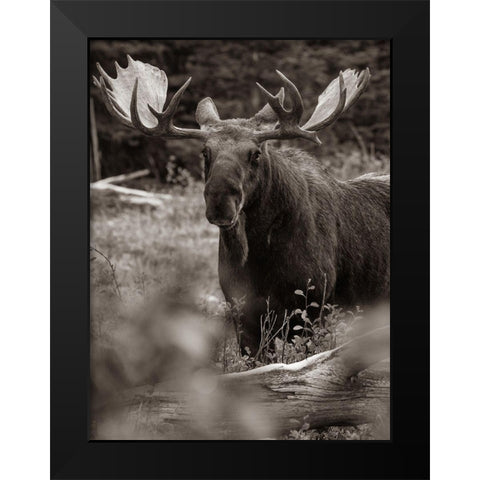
(131, 195)
(125, 177)
(325, 389)
(331, 388)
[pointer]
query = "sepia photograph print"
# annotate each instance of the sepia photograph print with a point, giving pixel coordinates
(239, 247)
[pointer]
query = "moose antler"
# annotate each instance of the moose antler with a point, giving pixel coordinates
(337, 98)
(137, 96)
(340, 94)
(288, 119)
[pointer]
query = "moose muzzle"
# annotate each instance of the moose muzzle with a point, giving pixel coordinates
(222, 210)
(224, 202)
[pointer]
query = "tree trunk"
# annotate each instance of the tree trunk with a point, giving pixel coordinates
(96, 170)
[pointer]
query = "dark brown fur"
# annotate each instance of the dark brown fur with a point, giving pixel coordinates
(292, 221)
(302, 223)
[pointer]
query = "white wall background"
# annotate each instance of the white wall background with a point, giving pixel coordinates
(455, 184)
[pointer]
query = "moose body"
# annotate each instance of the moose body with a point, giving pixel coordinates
(283, 219)
(304, 224)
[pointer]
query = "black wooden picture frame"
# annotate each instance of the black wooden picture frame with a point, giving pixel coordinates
(406, 24)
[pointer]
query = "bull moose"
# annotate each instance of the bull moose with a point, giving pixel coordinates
(282, 217)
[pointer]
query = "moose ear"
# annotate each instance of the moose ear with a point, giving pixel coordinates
(266, 114)
(207, 113)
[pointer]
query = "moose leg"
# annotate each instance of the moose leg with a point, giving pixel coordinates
(249, 325)
(246, 318)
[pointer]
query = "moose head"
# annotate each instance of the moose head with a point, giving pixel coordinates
(233, 148)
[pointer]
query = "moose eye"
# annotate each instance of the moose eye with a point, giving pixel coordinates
(254, 155)
(206, 158)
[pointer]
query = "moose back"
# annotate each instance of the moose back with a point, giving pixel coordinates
(283, 218)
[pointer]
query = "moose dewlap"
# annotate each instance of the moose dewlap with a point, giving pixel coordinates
(282, 218)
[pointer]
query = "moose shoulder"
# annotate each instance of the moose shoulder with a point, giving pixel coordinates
(282, 218)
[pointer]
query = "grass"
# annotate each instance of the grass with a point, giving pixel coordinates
(146, 243)
(139, 252)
